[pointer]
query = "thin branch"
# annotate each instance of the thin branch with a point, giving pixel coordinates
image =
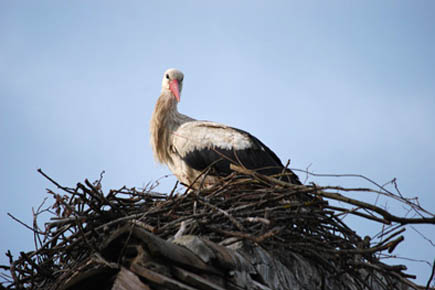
(431, 277)
(259, 209)
(423, 236)
(24, 224)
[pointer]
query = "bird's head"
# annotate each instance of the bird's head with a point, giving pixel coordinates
(172, 83)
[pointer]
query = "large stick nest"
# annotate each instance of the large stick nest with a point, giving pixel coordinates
(277, 216)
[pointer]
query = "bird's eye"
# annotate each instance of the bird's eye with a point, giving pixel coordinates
(167, 76)
(181, 79)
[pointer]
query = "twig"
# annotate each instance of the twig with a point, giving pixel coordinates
(253, 207)
(69, 190)
(423, 236)
(24, 224)
(431, 277)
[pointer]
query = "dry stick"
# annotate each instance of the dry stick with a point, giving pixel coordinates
(390, 245)
(171, 195)
(82, 232)
(235, 234)
(185, 205)
(179, 220)
(91, 204)
(55, 222)
(24, 224)
(69, 190)
(5, 277)
(393, 243)
(12, 269)
(391, 236)
(93, 192)
(36, 236)
(384, 192)
(431, 277)
(34, 265)
(389, 217)
(58, 234)
(366, 189)
(391, 228)
(423, 236)
(388, 256)
(203, 173)
(396, 275)
(336, 196)
(98, 182)
(270, 234)
(258, 220)
(101, 197)
(232, 219)
(355, 212)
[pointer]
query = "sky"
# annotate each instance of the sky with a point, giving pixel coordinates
(335, 86)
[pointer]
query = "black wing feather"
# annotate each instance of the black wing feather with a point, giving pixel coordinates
(257, 157)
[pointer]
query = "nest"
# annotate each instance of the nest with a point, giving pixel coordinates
(274, 215)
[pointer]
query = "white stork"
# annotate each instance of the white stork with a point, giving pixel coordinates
(188, 146)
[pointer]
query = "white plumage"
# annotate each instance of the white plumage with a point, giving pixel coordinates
(197, 135)
(188, 146)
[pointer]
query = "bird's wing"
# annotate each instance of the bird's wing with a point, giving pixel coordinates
(202, 144)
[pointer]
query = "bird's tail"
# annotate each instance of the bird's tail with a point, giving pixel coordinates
(291, 177)
(281, 173)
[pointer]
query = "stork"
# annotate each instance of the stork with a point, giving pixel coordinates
(188, 146)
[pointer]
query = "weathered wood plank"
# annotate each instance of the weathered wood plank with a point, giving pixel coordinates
(195, 280)
(172, 252)
(127, 280)
(159, 279)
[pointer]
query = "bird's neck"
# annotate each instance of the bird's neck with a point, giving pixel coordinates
(165, 120)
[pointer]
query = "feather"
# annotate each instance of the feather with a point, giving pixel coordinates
(203, 143)
(188, 146)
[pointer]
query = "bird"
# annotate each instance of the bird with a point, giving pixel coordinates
(189, 146)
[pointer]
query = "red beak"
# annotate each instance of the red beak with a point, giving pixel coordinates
(173, 86)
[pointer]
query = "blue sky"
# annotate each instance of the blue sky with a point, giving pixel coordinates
(336, 86)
